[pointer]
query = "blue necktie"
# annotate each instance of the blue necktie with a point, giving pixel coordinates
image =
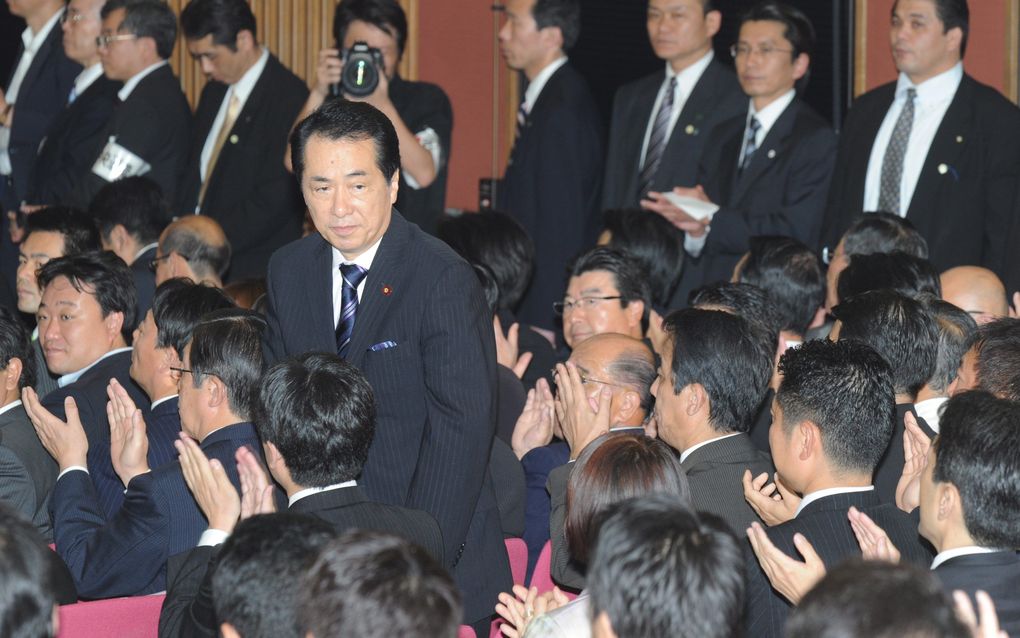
(352, 274)
(750, 142)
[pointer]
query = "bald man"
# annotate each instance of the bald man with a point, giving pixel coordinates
(195, 247)
(976, 290)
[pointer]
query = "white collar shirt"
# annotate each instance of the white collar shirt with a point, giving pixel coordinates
(686, 80)
(125, 91)
(364, 260)
(535, 86)
(242, 89)
(832, 491)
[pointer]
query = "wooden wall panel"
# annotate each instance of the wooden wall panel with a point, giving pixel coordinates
(295, 31)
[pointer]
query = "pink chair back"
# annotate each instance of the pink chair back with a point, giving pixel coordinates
(542, 576)
(466, 632)
(135, 617)
(517, 551)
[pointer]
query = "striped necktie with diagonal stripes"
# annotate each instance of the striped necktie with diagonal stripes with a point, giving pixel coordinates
(352, 274)
(657, 140)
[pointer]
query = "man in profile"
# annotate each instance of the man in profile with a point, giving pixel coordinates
(194, 247)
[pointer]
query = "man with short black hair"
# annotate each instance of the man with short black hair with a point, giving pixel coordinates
(29, 606)
(243, 118)
(607, 292)
(195, 247)
(897, 271)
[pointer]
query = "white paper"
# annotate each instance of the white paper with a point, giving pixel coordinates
(696, 208)
(117, 162)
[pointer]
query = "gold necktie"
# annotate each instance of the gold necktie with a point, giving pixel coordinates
(233, 109)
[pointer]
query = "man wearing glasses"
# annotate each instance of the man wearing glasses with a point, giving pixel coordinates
(148, 134)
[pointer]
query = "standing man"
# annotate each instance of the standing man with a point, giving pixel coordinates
(148, 134)
(552, 179)
(661, 122)
(404, 309)
(243, 118)
(935, 147)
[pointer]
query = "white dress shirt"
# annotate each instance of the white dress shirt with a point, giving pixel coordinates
(125, 91)
(688, 451)
(364, 260)
(686, 80)
(71, 377)
(10, 406)
(942, 557)
(535, 86)
(86, 78)
(929, 410)
(933, 99)
(832, 491)
(242, 89)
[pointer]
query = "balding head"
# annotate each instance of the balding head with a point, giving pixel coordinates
(195, 247)
(623, 364)
(976, 290)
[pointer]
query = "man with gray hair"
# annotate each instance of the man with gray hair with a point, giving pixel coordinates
(195, 247)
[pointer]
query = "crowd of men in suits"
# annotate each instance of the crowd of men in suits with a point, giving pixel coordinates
(713, 394)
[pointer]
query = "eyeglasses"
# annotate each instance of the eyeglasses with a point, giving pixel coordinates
(745, 50)
(586, 378)
(587, 303)
(104, 40)
(155, 262)
(179, 372)
(73, 16)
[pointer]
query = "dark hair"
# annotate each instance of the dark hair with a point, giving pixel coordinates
(742, 299)
(369, 584)
(78, 229)
(498, 242)
(259, 569)
(103, 275)
(635, 372)
(386, 15)
(15, 342)
(797, 28)
(614, 467)
(654, 243)
(660, 569)
(26, 589)
(846, 389)
(223, 19)
(883, 233)
(898, 328)
(565, 15)
(978, 451)
(204, 258)
(791, 276)
(998, 358)
(630, 280)
(729, 356)
(227, 344)
(490, 290)
(136, 203)
(957, 331)
(147, 19)
(346, 121)
(953, 14)
(897, 271)
(319, 411)
(875, 599)
(178, 305)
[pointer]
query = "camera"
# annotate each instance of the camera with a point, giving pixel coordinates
(362, 66)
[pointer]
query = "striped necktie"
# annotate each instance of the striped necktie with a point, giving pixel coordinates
(892, 162)
(658, 139)
(750, 142)
(352, 274)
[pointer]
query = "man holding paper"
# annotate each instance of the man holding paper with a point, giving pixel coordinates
(765, 172)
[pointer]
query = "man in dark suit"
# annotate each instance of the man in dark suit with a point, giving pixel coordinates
(936, 146)
(832, 420)
(243, 118)
(767, 169)
(96, 290)
(136, 42)
(553, 178)
(125, 554)
(423, 337)
(662, 121)
(75, 136)
(27, 473)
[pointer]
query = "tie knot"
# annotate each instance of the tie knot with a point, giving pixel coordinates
(754, 125)
(911, 94)
(352, 274)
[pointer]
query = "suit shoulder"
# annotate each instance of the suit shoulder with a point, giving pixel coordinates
(988, 100)
(647, 84)
(879, 95)
(293, 255)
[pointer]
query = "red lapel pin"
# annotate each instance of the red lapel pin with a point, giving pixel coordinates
(386, 290)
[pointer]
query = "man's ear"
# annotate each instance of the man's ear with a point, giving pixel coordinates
(217, 391)
(697, 399)
(394, 186)
(713, 21)
(114, 323)
(629, 403)
(12, 374)
(801, 64)
(635, 310)
(948, 499)
(809, 440)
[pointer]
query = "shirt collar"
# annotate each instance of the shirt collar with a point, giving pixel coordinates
(125, 92)
(936, 89)
(161, 401)
(33, 41)
(144, 248)
(10, 406)
(308, 491)
(942, 557)
(687, 452)
(832, 491)
(87, 77)
(535, 86)
(243, 87)
(71, 377)
(689, 77)
(364, 260)
(929, 411)
(768, 115)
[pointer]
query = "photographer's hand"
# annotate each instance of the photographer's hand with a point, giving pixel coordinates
(327, 72)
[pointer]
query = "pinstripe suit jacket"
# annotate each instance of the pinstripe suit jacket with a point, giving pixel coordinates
(423, 338)
(824, 523)
(125, 554)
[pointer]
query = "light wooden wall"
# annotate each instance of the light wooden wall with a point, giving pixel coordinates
(295, 31)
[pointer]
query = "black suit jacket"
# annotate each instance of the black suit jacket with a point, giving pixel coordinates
(254, 198)
(890, 467)
(963, 202)
(715, 473)
(72, 142)
(424, 340)
(156, 99)
(27, 471)
(824, 523)
(145, 282)
(781, 192)
(552, 184)
(163, 427)
(89, 393)
(45, 382)
(716, 97)
(997, 573)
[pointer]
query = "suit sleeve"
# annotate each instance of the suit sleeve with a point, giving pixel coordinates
(615, 173)
(273, 348)
(459, 361)
(1002, 225)
(188, 607)
(564, 570)
(16, 487)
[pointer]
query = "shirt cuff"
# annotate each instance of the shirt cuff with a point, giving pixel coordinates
(212, 537)
(694, 245)
(73, 468)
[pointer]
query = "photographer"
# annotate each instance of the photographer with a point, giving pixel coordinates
(420, 112)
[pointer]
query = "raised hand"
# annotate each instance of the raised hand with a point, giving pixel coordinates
(534, 428)
(65, 441)
(790, 577)
(129, 442)
(507, 349)
(916, 445)
(875, 543)
(984, 624)
(581, 419)
(772, 502)
(256, 488)
(519, 609)
(216, 495)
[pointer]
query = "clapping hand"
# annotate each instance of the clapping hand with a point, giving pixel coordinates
(65, 441)
(525, 605)
(984, 624)
(256, 488)
(875, 543)
(129, 443)
(790, 577)
(216, 495)
(581, 418)
(507, 350)
(916, 445)
(772, 502)
(534, 428)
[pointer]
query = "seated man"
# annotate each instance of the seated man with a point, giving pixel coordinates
(85, 318)
(125, 554)
(367, 584)
(976, 290)
(832, 419)
(27, 473)
(607, 292)
(992, 363)
(29, 606)
(900, 272)
(957, 332)
(195, 247)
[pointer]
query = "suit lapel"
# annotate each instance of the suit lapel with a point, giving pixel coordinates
(641, 114)
(319, 296)
(772, 148)
(704, 96)
(243, 125)
(39, 60)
